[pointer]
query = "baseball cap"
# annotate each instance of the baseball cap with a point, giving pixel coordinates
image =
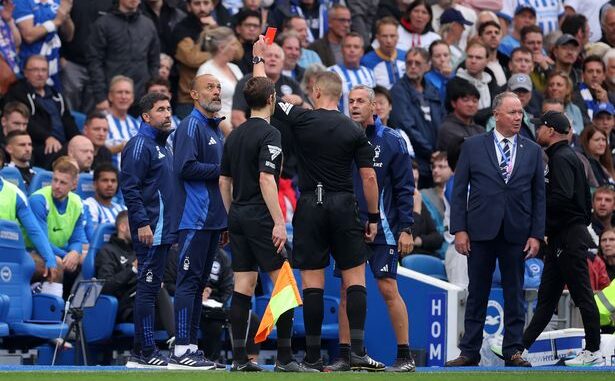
(525, 7)
(556, 120)
(452, 15)
(566, 39)
(520, 81)
(605, 107)
(505, 16)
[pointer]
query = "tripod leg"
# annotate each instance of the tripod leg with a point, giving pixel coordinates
(62, 343)
(82, 341)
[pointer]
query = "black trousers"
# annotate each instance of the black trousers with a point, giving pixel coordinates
(566, 264)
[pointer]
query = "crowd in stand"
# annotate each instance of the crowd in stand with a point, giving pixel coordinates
(435, 66)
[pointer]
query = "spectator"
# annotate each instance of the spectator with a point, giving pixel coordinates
(490, 34)
(452, 26)
(607, 250)
(165, 17)
(531, 38)
(51, 125)
(604, 120)
(122, 33)
(224, 47)
(525, 15)
(594, 146)
(386, 61)
(591, 9)
(291, 45)
(474, 72)
(81, 150)
(462, 104)
(285, 87)
(603, 205)
(592, 91)
(417, 110)
(309, 77)
(609, 63)
(188, 49)
(100, 208)
(329, 46)
(351, 71)
(565, 52)
(96, 128)
(236, 6)
(10, 41)
(19, 147)
(433, 198)
(299, 25)
(521, 63)
(521, 85)
(607, 22)
(598, 275)
(248, 28)
(59, 213)
(116, 263)
(39, 23)
(441, 69)
(74, 75)
(559, 87)
(314, 13)
(166, 64)
(427, 239)
(576, 25)
(415, 27)
(392, 8)
(466, 11)
(384, 104)
(546, 14)
(15, 116)
(122, 126)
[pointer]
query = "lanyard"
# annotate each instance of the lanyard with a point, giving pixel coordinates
(507, 159)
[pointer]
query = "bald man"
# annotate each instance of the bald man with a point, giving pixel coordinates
(202, 218)
(81, 150)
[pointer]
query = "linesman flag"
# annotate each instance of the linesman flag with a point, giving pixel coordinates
(285, 296)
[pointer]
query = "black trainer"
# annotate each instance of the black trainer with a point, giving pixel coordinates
(156, 360)
(365, 363)
(402, 365)
(249, 366)
(294, 367)
(339, 365)
(318, 365)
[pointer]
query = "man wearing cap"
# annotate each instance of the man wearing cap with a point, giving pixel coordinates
(604, 120)
(521, 85)
(452, 24)
(566, 52)
(568, 214)
(546, 13)
(525, 15)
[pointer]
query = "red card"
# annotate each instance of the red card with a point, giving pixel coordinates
(270, 35)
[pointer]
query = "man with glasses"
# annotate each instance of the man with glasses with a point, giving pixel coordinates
(248, 28)
(329, 47)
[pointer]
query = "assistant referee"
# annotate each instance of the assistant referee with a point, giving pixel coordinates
(326, 219)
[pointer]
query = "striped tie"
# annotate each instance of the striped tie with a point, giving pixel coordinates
(505, 159)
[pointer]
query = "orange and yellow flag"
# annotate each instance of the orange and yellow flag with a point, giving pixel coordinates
(284, 297)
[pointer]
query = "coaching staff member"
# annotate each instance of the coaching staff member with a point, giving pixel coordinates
(251, 165)
(148, 187)
(326, 219)
(502, 217)
(568, 215)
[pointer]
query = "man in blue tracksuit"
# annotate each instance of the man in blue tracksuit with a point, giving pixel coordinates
(201, 215)
(393, 168)
(148, 187)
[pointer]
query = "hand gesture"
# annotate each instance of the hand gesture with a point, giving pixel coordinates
(7, 12)
(259, 47)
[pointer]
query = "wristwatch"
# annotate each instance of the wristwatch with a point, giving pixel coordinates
(407, 230)
(257, 59)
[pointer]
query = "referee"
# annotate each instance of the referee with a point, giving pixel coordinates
(568, 214)
(251, 165)
(326, 219)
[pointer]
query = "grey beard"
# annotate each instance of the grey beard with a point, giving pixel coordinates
(212, 106)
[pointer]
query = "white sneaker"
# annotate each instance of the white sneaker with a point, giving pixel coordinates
(586, 358)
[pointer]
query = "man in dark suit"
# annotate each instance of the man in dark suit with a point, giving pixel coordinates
(501, 216)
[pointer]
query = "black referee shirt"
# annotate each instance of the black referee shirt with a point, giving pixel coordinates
(326, 143)
(253, 147)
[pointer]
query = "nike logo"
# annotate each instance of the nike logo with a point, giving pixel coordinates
(56, 229)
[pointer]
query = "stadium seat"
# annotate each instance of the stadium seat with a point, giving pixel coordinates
(4, 310)
(16, 268)
(41, 179)
(79, 119)
(425, 264)
(101, 236)
(12, 175)
(85, 186)
(99, 321)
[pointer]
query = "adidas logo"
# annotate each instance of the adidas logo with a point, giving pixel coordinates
(212, 141)
(274, 151)
(160, 154)
(385, 268)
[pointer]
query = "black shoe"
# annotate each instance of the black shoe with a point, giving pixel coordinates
(294, 367)
(365, 363)
(402, 365)
(318, 365)
(517, 360)
(249, 366)
(462, 361)
(340, 365)
(156, 360)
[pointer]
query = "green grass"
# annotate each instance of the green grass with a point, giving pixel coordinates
(226, 376)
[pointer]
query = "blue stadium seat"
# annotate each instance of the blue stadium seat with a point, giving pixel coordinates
(41, 179)
(425, 264)
(85, 186)
(79, 119)
(12, 175)
(4, 310)
(101, 236)
(99, 321)
(16, 268)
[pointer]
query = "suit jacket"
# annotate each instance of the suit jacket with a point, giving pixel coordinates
(490, 204)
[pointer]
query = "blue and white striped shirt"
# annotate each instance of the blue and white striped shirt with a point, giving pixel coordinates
(547, 12)
(351, 78)
(97, 214)
(386, 71)
(120, 131)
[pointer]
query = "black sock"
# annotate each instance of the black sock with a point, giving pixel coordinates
(345, 352)
(285, 330)
(356, 308)
(240, 311)
(403, 351)
(313, 314)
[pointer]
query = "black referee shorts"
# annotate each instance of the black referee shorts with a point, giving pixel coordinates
(333, 227)
(250, 228)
